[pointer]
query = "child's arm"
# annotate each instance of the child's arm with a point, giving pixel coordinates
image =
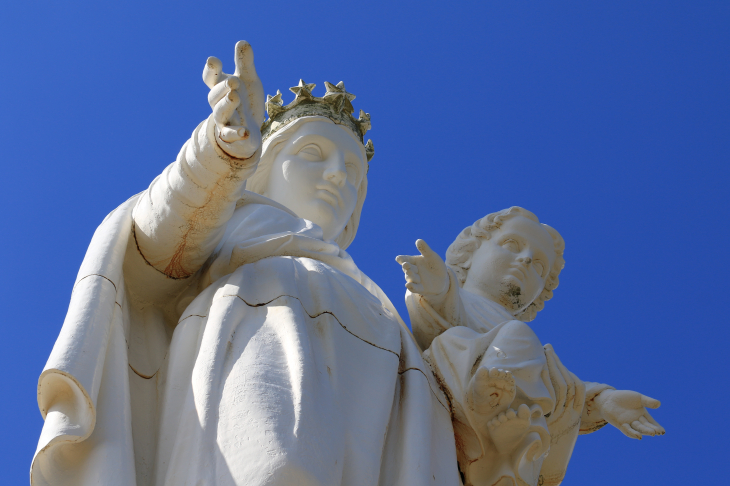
(433, 300)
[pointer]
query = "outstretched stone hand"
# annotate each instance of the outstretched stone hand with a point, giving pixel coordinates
(238, 103)
(626, 410)
(426, 273)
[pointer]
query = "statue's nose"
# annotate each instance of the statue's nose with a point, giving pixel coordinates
(336, 172)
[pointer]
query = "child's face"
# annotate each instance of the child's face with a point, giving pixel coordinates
(511, 267)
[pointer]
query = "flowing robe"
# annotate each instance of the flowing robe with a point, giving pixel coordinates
(250, 351)
(482, 334)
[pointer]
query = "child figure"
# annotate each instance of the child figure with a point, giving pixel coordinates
(512, 399)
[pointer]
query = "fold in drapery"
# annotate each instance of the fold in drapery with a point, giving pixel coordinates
(83, 392)
(100, 386)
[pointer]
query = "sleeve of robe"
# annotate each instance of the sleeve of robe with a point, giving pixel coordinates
(181, 218)
(98, 390)
(429, 322)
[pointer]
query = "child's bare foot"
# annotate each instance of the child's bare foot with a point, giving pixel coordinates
(509, 428)
(491, 391)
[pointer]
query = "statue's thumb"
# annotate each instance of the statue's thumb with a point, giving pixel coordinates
(650, 402)
(425, 250)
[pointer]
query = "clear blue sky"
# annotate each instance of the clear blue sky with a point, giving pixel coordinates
(609, 120)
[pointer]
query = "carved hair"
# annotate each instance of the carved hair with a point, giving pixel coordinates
(259, 181)
(459, 255)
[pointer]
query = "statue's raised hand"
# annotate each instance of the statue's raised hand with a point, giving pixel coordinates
(626, 410)
(238, 103)
(426, 273)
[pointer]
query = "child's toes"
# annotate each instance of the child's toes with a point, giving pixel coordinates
(523, 412)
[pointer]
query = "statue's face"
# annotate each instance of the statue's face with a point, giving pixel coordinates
(317, 175)
(511, 267)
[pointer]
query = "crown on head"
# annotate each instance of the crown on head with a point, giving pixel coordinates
(336, 104)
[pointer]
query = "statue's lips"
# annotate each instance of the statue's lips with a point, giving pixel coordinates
(519, 273)
(330, 195)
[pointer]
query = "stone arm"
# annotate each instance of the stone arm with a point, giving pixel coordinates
(432, 296)
(584, 407)
(432, 315)
(181, 217)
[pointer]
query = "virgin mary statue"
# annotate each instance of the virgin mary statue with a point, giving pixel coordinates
(219, 334)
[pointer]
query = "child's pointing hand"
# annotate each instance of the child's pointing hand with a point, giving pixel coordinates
(426, 273)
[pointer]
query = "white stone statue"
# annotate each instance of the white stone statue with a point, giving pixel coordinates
(219, 334)
(516, 409)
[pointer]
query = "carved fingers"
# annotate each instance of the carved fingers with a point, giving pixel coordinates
(639, 426)
(626, 410)
(649, 421)
(629, 432)
(426, 273)
(225, 117)
(410, 269)
(235, 100)
(644, 425)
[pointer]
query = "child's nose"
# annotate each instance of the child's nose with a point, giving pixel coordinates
(526, 259)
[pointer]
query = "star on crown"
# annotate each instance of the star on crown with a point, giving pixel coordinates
(338, 95)
(369, 150)
(364, 120)
(274, 104)
(303, 90)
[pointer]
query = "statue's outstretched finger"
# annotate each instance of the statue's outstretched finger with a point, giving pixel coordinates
(629, 432)
(642, 429)
(246, 71)
(403, 259)
(213, 72)
(651, 420)
(648, 424)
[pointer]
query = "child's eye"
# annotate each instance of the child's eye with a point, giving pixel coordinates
(539, 267)
(511, 245)
(310, 152)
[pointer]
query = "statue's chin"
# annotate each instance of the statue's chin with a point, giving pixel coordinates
(323, 214)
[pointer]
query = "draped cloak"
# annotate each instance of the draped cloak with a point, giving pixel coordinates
(482, 334)
(281, 363)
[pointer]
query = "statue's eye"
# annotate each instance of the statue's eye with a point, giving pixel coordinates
(511, 245)
(310, 152)
(353, 171)
(539, 267)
